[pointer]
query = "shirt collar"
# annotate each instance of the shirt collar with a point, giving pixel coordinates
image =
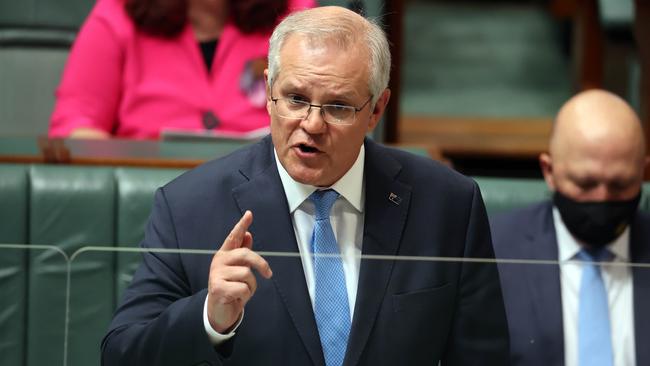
(350, 186)
(568, 246)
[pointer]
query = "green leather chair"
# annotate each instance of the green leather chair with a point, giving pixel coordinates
(35, 36)
(68, 207)
(13, 276)
(135, 190)
(504, 194)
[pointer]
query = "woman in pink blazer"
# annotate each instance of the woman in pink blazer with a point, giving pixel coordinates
(139, 67)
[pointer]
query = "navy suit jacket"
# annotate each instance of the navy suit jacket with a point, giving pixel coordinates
(532, 292)
(407, 312)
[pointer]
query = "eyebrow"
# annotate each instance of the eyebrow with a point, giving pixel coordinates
(347, 95)
(590, 179)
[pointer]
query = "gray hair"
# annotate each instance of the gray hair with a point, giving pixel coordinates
(346, 31)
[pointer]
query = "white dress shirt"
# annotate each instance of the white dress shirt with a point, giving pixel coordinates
(347, 219)
(618, 283)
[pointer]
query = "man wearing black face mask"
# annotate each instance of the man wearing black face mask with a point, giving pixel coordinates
(580, 313)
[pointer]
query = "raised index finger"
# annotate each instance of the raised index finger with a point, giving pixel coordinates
(235, 239)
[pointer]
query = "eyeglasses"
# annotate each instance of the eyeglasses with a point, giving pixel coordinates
(336, 114)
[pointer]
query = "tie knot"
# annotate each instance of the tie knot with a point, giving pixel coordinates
(595, 255)
(324, 200)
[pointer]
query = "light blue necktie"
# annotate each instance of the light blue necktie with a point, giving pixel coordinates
(594, 331)
(331, 301)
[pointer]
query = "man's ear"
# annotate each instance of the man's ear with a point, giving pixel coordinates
(378, 109)
(546, 163)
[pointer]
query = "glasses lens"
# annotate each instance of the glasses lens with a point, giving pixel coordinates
(289, 108)
(298, 109)
(338, 113)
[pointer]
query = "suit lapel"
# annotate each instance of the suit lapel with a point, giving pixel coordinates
(386, 207)
(544, 281)
(640, 253)
(272, 230)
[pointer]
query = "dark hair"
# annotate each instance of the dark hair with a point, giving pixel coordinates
(166, 18)
(163, 18)
(252, 16)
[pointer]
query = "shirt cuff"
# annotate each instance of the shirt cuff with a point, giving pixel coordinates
(215, 337)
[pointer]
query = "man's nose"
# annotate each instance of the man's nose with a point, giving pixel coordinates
(314, 122)
(604, 193)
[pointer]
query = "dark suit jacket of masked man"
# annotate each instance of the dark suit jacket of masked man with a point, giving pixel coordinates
(532, 292)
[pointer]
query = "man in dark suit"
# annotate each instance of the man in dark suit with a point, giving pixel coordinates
(326, 87)
(595, 167)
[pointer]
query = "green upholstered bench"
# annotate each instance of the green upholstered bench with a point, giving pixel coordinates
(70, 207)
(67, 207)
(504, 194)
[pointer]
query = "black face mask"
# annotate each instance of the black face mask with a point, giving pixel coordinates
(596, 222)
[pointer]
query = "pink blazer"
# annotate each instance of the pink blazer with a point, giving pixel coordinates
(134, 85)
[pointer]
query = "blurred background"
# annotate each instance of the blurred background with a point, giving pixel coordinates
(475, 83)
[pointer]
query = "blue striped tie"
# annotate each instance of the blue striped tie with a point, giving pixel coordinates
(594, 331)
(331, 307)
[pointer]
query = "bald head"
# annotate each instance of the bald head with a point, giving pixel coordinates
(597, 138)
(596, 119)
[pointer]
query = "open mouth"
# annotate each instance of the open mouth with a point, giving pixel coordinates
(307, 149)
